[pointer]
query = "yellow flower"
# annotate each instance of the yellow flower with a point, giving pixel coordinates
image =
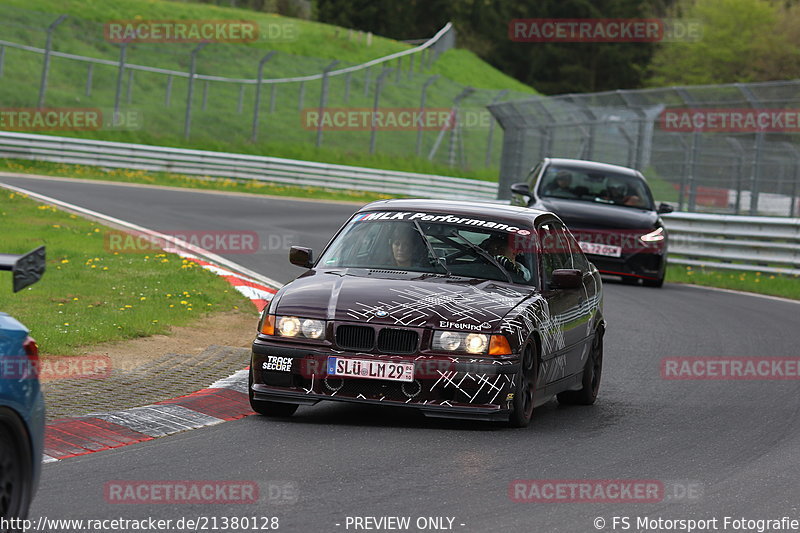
(184, 302)
(171, 305)
(143, 298)
(66, 323)
(128, 306)
(64, 261)
(105, 268)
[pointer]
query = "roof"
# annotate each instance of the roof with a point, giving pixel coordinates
(459, 207)
(594, 165)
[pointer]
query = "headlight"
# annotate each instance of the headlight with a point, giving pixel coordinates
(476, 342)
(292, 326)
(451, 341)
(289, 326)
(313, 329)
(653, 236)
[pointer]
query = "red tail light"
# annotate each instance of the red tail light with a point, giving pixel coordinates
(32, 351)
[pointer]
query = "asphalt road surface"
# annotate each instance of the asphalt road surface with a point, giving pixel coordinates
(720, 448)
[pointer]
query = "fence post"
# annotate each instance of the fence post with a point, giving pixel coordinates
(323, 99)
(257, 105)
(455, 128)
(795, 178)
(187, 122)
(89, 75)
(410, 66)
(272, 94)
(46, 65)
(2, 59)
(240, 102)
(347, 87)
(737, 148)
(375, 103)
(366, 81)
(488, 159)
(422, 98)
(205, 95)
(399, 69)
(168, 95)
(755, 176)
(129, 88)
(123, 50)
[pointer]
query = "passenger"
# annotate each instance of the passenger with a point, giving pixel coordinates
(502, 250)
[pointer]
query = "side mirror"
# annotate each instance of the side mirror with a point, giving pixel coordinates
(302, 257)
(521, 189)
(566, 278)
(27, 269)
(665, 208)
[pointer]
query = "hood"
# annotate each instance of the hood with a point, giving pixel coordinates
(577, 214)
(401, 299)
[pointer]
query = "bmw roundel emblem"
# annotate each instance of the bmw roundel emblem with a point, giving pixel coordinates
(380, 313)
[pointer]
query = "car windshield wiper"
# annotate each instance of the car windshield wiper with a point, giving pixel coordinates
(430, 247)
(485, 255)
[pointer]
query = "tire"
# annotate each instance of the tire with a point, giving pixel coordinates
(16, 467)
(275, 409)
(522, 411)
(592, 372)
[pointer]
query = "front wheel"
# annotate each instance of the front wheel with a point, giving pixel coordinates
(522, 411)
(276, 409)
(592, 371)
(15, 467)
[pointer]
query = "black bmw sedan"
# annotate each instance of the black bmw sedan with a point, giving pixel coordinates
(609, 209)
(456, 309)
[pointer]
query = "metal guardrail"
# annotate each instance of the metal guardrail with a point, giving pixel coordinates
(765, 244)
(239, 166)
(756, 244)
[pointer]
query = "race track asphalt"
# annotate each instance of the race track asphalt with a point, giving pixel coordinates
(732, 443)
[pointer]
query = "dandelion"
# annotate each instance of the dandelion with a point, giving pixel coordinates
(64, 261)
(184, 302)
(66, 323)
(75, 299)
(105, 268)
(171, 305)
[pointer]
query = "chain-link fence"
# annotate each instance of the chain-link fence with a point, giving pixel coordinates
(232, 95)
(723, 148)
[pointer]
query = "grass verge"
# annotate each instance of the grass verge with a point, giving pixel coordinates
(757, 282)
(189, 182)
(90, 295)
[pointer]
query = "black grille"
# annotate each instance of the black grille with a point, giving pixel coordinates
(393, 341)
(355, 337)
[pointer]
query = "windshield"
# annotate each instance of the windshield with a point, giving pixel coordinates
(452, 245)
(590, 185)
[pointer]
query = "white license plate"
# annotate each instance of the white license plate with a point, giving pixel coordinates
(601, 249)
(370, 369)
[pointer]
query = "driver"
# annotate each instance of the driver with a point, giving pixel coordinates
(406, 249)
(561, 185)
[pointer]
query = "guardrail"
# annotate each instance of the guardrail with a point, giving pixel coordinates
(240, 166)
(765, 244)
(757, 244)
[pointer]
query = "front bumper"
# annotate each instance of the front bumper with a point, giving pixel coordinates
(644, 265)
(444, 386)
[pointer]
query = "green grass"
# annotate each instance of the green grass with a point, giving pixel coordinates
(89, 294)
(189, 182)
(786, 286)
(222, 125)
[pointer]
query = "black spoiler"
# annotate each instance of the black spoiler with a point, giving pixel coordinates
(27, 268)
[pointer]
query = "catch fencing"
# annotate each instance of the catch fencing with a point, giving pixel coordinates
(720, 149)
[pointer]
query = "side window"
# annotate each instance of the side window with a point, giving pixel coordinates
(531, 179)
(579, 260)
(554, 250)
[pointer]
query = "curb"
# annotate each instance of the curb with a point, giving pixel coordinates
(223, 401)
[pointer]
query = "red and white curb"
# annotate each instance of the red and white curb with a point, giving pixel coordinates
(222, 401)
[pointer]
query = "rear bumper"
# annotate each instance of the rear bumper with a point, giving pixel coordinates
(456, 387)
